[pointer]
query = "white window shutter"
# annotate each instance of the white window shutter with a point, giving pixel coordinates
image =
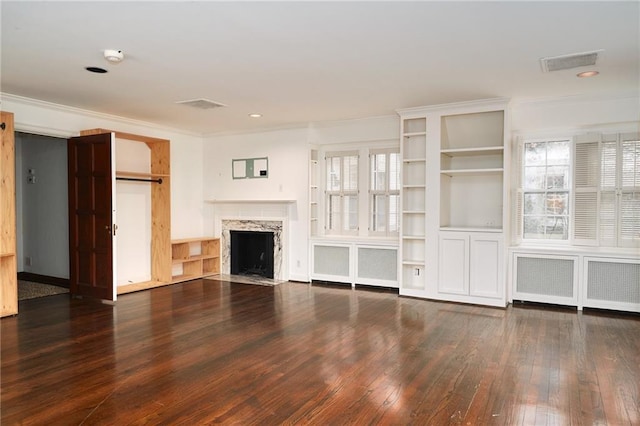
(629, 219)
(585, 181)
(629, 228)
(518, 199)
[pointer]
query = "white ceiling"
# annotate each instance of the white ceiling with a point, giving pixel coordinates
(299, 62)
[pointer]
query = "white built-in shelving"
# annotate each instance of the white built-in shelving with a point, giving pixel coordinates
(454, 201)
(313, 192)
(412, 259)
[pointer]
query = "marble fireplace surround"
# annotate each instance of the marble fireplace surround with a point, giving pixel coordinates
(275, 226)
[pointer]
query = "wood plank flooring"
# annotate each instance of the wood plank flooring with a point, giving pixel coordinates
(206, 352)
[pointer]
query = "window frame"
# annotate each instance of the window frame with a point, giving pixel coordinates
(523, 192)
(387, 192)
(341, 193)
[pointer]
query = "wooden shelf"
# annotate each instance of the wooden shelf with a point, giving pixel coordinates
(130, 288)
(195, 257)
(7, 254)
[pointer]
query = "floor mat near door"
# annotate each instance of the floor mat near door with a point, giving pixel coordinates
(31, 290)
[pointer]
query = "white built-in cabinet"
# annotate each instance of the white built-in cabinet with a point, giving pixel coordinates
(454, 202)
(471, 264)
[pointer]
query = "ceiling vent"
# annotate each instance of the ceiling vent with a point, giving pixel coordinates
(567, 62)
(201, 103)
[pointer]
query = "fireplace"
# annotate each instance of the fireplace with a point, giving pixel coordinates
(252, 253)
(274, 228)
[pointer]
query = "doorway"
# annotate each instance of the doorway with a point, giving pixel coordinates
(42, 220)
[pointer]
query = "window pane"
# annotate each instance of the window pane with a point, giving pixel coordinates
(556, 227)
(535, 153)
(379, 213)
(557, 203)
(394, 171)
(558, 153)
(608, 165)
(333, 212)
(533, 227)
(394, 207)
(378, 175)
(350, 218)
(350, 168)
(333, 174)
(608, 217)
(534, 204)
(557, 177)
(534, 177)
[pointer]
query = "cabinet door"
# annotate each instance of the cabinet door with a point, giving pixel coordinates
(485, 259)
(454, 263)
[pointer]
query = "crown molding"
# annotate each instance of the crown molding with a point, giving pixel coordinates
(86, 113)
(570, 100)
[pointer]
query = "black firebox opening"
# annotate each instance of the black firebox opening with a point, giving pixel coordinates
(252, 253)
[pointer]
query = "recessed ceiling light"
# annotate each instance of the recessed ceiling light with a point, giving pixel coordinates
(255, 115)
(587, 74)
(97, 70)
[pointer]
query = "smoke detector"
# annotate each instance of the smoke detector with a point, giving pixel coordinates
(113, 56)
(567, 62)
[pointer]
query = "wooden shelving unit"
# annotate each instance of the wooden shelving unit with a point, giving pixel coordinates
(8, 266)
(195, 258)
(159, 167)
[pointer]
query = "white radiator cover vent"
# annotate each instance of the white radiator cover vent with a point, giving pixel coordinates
(567, 62)
(545, 276)
(614, 282)
(331, 260)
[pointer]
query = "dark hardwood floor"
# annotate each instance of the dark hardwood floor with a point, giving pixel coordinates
(213, 352)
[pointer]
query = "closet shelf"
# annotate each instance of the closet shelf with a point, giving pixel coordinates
(122, 173)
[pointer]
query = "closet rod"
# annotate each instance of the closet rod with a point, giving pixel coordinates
(140, 180)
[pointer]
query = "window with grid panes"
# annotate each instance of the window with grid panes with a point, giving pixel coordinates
(384, 191)
(546, 171)
(341, 193)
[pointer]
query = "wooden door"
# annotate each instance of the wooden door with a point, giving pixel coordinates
(91, 216)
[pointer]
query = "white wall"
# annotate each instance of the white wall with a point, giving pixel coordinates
(32, 116)
(288, 154)
(41, 207)
(575, 114)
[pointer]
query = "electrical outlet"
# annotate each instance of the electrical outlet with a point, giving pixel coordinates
(416, 272)
(31, 179)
